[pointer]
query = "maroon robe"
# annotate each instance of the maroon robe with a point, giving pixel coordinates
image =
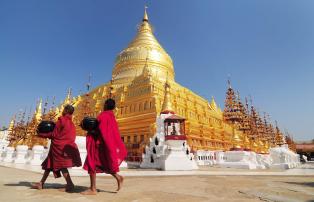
(63, 152)
(105, 149)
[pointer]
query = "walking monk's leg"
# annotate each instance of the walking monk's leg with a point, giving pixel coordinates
(70, 186)
(40, 185)
(119, 179)
(92, 190)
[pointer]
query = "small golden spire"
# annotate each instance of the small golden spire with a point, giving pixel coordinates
(145, 18)
(38, 110)
(12, 122)
(146, 71)
(68, 99)
(167, 106)
(213, 103)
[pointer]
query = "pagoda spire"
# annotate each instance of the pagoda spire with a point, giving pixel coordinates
(45, 105)
(53, 104)
(245, 122)
(88, 85)
(146, 71)
(279, 137)
(38, 111)
(167, 106)
(145, 26)
(231, 112)
(12, 122)
(229, 82)
(145, 17)
(68, 99)
(29, 115)
(213, 104)
(23, 116)
(232, 115)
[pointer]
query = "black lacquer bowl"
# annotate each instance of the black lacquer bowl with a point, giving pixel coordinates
(89, 124)
(46, 127)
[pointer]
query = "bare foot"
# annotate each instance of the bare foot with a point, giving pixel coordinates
(119, 179)
(89, 192)
(69, 188)
(38, 185)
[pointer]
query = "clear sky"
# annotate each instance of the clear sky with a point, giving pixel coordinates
(266, 46)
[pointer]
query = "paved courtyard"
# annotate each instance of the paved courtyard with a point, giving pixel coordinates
(15, 186)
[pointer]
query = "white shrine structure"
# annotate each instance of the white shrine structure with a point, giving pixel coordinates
(168, 149)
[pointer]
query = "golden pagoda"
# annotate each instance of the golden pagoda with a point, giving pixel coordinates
(32, 138)
(139, 76)
(18, 134)
(279, 137)
(232, 114)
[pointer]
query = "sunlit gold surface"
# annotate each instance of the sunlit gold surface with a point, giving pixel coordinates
(143, 49)
(139, 79)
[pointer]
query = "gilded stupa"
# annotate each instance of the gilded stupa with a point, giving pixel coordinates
(139, 76)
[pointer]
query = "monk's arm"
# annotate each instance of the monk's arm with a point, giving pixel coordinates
(45, 135)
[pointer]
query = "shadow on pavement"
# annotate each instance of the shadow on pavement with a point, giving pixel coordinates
(310, 184)
(77, 189)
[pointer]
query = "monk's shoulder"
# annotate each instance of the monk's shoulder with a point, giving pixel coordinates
(104, 116)
(60, 120)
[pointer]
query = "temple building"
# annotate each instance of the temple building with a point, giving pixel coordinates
(138, 82)
(143, 85)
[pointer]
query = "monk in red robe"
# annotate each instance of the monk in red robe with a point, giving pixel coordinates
(63, 151)
(105, 149)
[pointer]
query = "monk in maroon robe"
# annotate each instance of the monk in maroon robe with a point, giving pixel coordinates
(63, 151)
(105, 149)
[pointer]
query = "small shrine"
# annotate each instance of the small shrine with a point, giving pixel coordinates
(174, 128)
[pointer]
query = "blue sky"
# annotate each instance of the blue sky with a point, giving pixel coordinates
(266, 46)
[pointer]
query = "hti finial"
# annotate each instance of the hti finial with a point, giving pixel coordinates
(145, 18)
(229, 81)
(46, 104)
(29, 114)
(265, 118)
(246, 102)
(53, 102)
(88, 84)
(251, 101)
(238, 96)
(276, 123)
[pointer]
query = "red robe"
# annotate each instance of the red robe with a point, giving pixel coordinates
(63, 152)
(105, 149)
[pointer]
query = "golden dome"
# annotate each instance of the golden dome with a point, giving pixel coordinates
(144, 50)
